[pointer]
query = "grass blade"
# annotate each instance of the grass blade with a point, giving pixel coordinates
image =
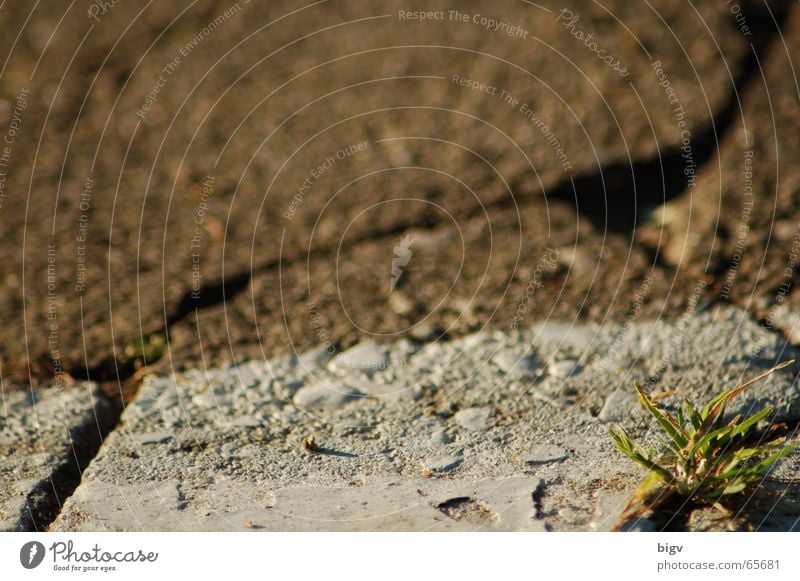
(666, 421)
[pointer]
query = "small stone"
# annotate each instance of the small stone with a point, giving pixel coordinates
(325, 395)
(424, 332)
(544, 396)
(364, 356)
(292, 387)
(441, 464)
(249, 423)
(152, 438)
(439, 438)
(474, 419)
(510, 364)
(400, 303)
(386, 390)
(579, 261)
(545, 454)
(312, 360)
(424, 361)
(309, 444)
(564, 369)
(475, 341)
(206, 399)
(616, 407)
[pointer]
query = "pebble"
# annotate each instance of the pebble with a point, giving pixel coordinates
(474, 419)
(545, 454)
(424, 332)
(246, 422)
(579, 261)
(383, 389)
(511, 364)
(152, 438)
(325, 395)
(400, 303)
(439, 438)
(616, 407)
(365, 356)
(564, 369)
(441, 464)
(206, 399)
(424, 361)
(169, 398)
(475, 341)
(312, 360)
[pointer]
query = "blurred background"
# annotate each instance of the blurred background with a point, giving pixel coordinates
(192, 183)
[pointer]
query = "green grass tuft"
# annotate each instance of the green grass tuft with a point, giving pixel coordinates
(706, 458)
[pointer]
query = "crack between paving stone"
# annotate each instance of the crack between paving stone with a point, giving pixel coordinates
(44, 502)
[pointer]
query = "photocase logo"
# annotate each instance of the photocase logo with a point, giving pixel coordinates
(31, 554)
(402, 254)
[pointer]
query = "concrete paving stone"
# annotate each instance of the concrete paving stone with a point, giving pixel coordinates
(373, 465)
(382, 504)
(42, 432)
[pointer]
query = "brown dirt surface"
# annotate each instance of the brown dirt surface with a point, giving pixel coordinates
(205, 181)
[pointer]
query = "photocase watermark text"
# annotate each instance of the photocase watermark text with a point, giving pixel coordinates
(569, 21)
(547, 263)
(101, 8)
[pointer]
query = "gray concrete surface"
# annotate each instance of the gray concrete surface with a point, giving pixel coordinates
(443, 436)
(42, 437)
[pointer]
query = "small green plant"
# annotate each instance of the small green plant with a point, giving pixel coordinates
(706, 457)
(146, 349)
